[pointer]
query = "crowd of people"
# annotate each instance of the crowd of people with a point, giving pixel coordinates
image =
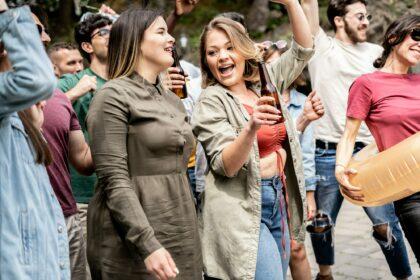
(105, 173)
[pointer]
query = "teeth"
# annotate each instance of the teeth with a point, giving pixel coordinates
(225, 69)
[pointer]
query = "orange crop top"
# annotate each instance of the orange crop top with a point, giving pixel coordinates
(270, 138)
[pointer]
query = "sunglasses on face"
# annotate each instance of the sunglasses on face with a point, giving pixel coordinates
(40, 29)
(101, 32)
(415, 34)
(362, 17)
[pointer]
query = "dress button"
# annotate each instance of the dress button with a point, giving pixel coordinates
(60, 229)
(62, 265)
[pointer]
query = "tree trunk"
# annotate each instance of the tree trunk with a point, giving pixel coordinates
(258, 15)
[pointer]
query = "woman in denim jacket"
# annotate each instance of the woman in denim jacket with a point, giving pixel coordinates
(33, 238)
(245, 232)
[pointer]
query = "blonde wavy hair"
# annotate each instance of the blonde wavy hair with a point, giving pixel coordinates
(241, 43)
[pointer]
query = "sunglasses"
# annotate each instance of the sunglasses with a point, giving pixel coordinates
(40, 29)
(280, 44)
(101, 32)
(362, 17)
(415, 34)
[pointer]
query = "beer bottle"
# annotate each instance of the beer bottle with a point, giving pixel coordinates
(181, 92)
(268, 89)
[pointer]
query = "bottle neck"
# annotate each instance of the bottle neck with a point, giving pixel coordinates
(264, 77)
(176, 59)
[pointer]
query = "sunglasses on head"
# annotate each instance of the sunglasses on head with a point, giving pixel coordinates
(280, 44)
(101, 32)
(415, 34)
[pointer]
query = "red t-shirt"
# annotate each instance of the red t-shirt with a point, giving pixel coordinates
(59, 120)
(389, 104)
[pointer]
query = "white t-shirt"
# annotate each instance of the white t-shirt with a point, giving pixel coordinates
(333, 69)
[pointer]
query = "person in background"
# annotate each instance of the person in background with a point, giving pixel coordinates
(92, 38)
(141, 221)
(249, 152)
(33, 241)
(388, 101)
(337, 62)
(309, 108)
(66, 58)
(66, 143)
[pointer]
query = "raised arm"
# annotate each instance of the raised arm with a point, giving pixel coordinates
(32, 78)
(300, 26)
(182, 7)
(311, 10)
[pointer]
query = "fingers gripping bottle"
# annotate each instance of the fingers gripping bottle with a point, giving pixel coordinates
(180, 92)
(268, 88)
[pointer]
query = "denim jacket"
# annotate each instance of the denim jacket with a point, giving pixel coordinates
(306, 139)
(33, 235)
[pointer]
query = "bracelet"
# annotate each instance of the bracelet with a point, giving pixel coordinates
(338, 164)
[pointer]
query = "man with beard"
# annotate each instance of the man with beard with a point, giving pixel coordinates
(337, 62)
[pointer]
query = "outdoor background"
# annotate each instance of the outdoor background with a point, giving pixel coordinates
(265, 20)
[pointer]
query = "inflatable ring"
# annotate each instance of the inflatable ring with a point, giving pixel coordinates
(389, 175)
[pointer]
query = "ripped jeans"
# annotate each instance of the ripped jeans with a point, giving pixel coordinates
(329, 199)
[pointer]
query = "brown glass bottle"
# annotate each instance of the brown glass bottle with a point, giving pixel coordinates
(268, 88)
(181, 92)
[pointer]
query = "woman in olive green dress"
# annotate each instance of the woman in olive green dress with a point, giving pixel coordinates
(141, 220)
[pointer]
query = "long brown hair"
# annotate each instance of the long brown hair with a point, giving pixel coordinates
(124, 41)
(43, 153)
(240, 42)
(395, 34)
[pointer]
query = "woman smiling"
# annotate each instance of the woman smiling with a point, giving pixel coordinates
(141, 220)
(256, 176)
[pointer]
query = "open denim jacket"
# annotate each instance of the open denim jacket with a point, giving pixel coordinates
(33, 234)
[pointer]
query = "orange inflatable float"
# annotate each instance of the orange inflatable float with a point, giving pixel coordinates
(387, 176)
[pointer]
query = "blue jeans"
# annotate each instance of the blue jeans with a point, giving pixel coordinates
(274, 245)
(191, 180)
(329, 199)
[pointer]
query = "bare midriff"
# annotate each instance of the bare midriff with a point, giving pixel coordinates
(268, 164)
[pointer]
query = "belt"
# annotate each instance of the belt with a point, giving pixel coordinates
(333, 146)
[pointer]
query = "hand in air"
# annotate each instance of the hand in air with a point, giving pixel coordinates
(284, 2)
(107, 10)
(183, 7)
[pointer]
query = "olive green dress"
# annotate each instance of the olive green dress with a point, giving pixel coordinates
(141, 142)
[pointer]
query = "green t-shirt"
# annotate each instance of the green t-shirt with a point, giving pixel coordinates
(82, 186)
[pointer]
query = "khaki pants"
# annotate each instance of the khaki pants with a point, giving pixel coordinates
(83, 208)
(77, 249)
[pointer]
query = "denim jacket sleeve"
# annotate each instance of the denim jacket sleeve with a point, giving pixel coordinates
(307, 142)
(306, 139)
(32, 78)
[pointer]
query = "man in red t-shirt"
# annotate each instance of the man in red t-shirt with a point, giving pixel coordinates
(67, 144)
